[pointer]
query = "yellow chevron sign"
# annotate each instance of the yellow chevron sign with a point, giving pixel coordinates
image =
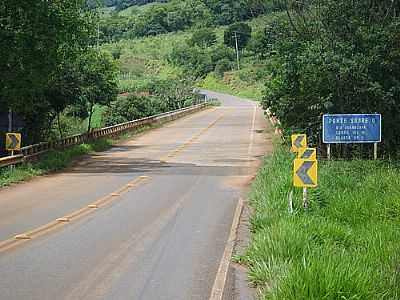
(308, 153)
(13, 141)
(299, 141)
(305, 173)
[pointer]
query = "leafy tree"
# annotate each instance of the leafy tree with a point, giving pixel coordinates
(336, 57)
(239, 31)
(99, 80)
(223, 66)
(38, 39)
(195, 61)
(203, 38)
(221, 52)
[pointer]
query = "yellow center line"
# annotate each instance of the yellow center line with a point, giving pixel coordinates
(74, 216)
(98, 204)
(193, 139)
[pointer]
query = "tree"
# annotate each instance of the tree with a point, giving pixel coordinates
(99, 75)
(223, 66)
(203, 38)
(36, 39)
(195, 61)
(337, 57)
(238, 32)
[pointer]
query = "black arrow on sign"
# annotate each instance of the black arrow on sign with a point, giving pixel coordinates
(14, 141)
(302, 172)
(298, 141)
(307, 154)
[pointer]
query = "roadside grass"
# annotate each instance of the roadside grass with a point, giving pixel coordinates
(232, 84)
(346, 246)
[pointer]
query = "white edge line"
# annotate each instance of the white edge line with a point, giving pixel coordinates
(217, 291)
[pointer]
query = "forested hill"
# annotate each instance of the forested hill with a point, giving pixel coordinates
(177, 15)
(122, 4)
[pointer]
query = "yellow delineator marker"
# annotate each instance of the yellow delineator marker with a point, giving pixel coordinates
(299, 141)
(308, 153)
(13, 141)
(305, 173)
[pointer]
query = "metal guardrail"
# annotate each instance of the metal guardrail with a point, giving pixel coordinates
(33, 151)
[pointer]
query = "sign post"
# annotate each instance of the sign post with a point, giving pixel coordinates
(305, 175)
(305, 168)
(352, 129)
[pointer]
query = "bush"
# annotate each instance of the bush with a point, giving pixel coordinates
(240, 30)
(133, 107)
(337, 71)
(195, 61)
(221, 52)
(203, 38)
(223, 66)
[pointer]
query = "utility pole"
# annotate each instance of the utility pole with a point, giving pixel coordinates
(98, 35)
(237, 50)
(10, 120)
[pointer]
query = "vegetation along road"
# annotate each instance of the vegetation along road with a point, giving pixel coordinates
(215, 205)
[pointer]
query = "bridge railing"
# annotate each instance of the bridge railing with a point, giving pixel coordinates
(31, 152)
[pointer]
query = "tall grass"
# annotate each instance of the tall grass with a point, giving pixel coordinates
(232, 84)
(346, 246)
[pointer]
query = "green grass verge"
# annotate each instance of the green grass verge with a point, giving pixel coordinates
(235, 86)
(345, 247)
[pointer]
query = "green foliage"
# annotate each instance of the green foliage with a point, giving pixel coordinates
(157, 96)
(344, 247)
(36, 88)
(232, 84)
(223, 66)
(132, 108)
(240, 32)
(195, 61)
(346, 60)
(99, 80)
(262, 43)
(203, 38)
(179, 15)
(221, 52)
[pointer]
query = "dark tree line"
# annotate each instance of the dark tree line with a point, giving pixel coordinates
(48, 62)
(334, 56)
(182, 14)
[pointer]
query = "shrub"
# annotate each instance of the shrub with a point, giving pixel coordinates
(240, 30)
(203, 38)
(223, 66)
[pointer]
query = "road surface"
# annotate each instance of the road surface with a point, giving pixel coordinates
(148, 219)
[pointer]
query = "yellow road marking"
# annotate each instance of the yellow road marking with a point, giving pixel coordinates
(63, 221)
(193, 139)
(74, 216)
(22, 237)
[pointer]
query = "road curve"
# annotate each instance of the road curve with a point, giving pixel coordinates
(148, 219)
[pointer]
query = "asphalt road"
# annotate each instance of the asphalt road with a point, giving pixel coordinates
(161, 213)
